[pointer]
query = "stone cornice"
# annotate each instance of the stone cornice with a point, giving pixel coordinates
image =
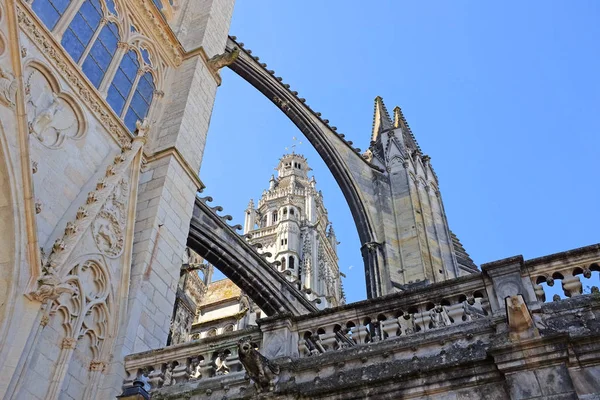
(85, 91)
(174, 152)
(158, 29)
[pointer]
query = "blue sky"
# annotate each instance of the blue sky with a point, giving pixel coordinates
(504, 96)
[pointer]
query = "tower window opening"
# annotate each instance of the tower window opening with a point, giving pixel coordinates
(292, 261)
(283, 262)
(274, 216)
(291, 211)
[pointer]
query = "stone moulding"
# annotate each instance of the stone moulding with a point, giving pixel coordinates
(85, 91)
(158, 28)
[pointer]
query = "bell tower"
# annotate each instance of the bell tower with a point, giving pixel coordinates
(291, 223)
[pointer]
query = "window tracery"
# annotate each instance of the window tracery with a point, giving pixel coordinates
(119, 62)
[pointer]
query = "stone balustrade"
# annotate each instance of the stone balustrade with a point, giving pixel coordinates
(192, 361)
(453, 325)
(269, 230)
(370, 322)
(577, 271)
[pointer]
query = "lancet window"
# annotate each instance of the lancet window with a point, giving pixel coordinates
(92, 32)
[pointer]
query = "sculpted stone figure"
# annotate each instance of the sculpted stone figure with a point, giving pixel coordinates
(258, 367)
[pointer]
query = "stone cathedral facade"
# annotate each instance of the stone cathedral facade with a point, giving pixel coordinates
(104, 113)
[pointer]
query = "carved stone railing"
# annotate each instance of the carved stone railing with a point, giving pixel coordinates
(419, 310)
(192, 361)
(266, 231)
(574, 270)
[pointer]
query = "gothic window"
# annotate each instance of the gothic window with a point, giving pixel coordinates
(274, 216)
(211, 333)
(97, 61)
(228, 328)
(292, 261)
(283, 263)
(92, 40)
(50, 11)
(284, 212)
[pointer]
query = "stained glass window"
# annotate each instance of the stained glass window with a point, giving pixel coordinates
(82, 28)
(50, 11)
(101, 54)
(140, 102)
(158, 4)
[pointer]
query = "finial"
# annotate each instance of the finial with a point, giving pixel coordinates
(142, 127)
(295, 142)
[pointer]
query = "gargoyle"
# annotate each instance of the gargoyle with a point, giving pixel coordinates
(258, 367)
(222, 60)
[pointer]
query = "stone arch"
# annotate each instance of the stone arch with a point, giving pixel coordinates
(352, 173)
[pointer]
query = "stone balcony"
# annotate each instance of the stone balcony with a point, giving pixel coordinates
(454, 338)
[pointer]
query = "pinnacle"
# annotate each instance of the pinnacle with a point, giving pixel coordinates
(400, 122)
(381, 119)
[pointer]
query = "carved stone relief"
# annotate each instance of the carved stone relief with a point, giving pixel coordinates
(108, 226)
(53, 116)
(8, 87)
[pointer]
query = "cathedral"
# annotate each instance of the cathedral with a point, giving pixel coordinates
(109, 240)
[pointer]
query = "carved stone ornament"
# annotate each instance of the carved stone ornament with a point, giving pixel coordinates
(222, 60)
(70, 72)
(8, 88)
(262, 371)
(108, 226)
(53, 116)
(51, 286)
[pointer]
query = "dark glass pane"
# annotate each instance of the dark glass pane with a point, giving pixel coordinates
(72, 45)
(91, 14)
(115, 100)
(138, 104)
(158, 4)
(111, 6)
(145, 56)
(46, 12)
(122, 83)
(109, 38)
(130, 120)
(60, 5)
(146, 87)
(93, 71)
(101, 56)
(130, 64)
(81, 29)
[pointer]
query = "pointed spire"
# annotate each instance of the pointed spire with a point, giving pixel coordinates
(250, 205)
(381, 119)
(400, 122)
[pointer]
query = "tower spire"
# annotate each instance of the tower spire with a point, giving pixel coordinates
(381, 119)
